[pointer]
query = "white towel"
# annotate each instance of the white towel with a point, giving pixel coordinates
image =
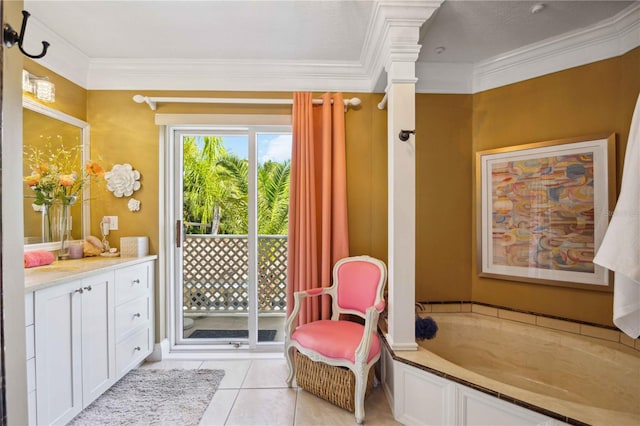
(620, 248)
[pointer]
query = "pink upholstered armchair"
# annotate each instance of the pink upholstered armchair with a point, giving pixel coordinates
(357, 289)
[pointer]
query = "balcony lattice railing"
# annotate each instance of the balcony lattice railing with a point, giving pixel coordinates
(215, 273)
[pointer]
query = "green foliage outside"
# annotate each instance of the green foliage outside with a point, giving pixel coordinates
(215, 199)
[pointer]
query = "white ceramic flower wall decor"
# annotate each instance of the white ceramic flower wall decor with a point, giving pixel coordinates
(134, 205)
(122, 180)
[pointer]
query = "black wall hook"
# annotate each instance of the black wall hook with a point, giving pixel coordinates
(12, 37)
(404, 134)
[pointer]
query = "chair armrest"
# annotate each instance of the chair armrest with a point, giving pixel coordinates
(298, 297)
(312, 292)
(370, 323)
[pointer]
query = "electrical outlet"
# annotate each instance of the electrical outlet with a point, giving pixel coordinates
(113, 222)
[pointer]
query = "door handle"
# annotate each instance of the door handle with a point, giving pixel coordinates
(178, 233)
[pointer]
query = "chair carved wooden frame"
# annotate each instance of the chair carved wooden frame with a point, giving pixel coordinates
(357, 289)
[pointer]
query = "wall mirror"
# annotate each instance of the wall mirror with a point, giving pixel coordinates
(44, 127)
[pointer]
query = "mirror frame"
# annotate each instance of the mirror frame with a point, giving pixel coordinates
(84, 127)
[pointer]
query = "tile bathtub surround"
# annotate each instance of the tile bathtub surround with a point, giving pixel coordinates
(627, 341)
(434, 364)
(439, 307)
(484, 310)
(516, 316)
(598, 331)
(601, 333)
(557, 324)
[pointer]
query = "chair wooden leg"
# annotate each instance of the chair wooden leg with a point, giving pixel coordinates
(289, 356)
(361, 385)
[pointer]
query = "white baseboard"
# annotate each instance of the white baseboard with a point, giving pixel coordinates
(389, 395)
(160, 350)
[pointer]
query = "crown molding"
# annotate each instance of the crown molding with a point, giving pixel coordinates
(62, 57)
(391, 30)
(389, 35)
(183, 74)
(606, 39)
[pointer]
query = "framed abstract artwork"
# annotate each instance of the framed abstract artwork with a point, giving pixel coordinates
(543, 210)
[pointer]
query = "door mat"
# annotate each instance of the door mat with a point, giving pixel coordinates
(263, 335)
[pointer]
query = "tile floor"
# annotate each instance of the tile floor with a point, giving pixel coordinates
(254, 392)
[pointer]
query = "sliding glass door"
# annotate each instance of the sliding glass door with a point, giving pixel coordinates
(231, 207)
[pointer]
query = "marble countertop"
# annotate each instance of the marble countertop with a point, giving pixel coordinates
(63, 271)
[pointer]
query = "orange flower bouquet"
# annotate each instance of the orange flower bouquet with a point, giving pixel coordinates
(56, 183)
(54, 177)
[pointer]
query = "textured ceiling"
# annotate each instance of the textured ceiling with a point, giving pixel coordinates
(234, 30)
(473, 31)
(318, 31)
(320, 44)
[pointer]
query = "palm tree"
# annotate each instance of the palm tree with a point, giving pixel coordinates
(233, 172)
(203, 191)
(273, 198)
(216, 190)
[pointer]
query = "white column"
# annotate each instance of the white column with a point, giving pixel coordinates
(398, 24)
(402, 205)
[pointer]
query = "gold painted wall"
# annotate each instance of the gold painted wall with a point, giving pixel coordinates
(591, 99)
(366, 138)
(124, 132)
(443, 197)
(70, 98)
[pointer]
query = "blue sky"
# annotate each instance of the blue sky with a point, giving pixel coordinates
(271, 146)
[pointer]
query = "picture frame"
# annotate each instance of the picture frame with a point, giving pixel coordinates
(543, 209)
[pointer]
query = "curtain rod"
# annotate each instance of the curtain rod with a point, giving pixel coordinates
(153, 101)
(383, 102)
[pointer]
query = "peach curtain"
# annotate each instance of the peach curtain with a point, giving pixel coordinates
(318, 228)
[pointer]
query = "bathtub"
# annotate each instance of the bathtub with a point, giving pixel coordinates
(487, 370)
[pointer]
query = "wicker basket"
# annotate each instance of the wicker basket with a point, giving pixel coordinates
(334, 384)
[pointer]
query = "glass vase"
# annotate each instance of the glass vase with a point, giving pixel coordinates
(56, 227)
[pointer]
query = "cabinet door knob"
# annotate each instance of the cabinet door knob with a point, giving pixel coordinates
(78, 290)
(136, 281)
(137, 315)
(137, 348)
(88, 288)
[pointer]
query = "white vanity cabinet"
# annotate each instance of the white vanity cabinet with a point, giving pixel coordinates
(75, 358)
(134, 337)
(31, 357)
(89, 329)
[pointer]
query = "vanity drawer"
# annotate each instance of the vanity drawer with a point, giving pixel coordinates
(132, 350)
(132, 282)
(132, 315)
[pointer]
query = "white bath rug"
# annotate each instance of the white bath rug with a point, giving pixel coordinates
(154, 397)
